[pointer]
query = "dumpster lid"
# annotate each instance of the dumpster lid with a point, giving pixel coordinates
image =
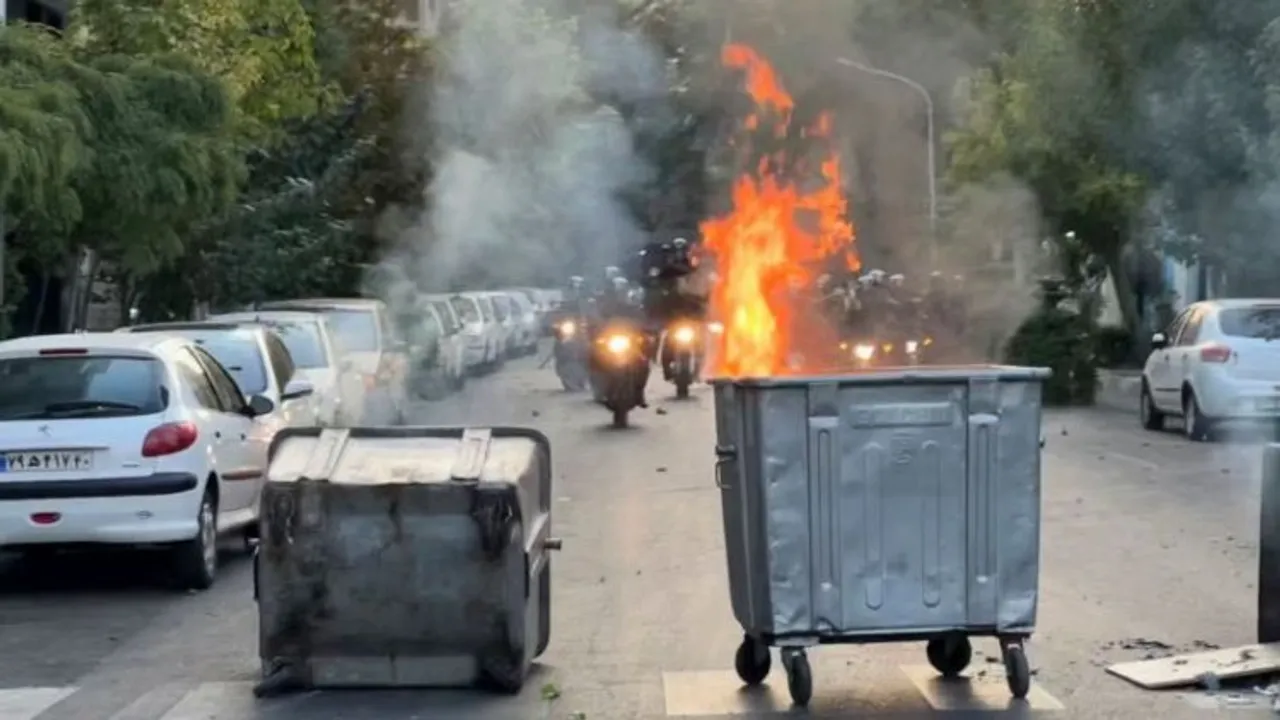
(922, 374)
(396, 455)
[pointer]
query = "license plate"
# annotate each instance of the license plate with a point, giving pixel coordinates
(51, 461)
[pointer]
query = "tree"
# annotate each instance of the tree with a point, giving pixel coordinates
(261, 49)
(1055, 114)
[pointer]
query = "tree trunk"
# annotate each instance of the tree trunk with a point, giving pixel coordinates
(37, 317)
(86, 293)
(1123, 286)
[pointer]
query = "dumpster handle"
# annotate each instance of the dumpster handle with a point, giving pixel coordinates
(724, 454)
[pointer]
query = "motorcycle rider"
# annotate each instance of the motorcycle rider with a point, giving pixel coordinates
(616, 305)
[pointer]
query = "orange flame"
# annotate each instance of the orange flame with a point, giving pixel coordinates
(767, 247)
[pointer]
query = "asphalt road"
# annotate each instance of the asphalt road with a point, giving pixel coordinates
(1145, 537)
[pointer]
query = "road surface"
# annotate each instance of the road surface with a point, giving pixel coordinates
(1145, 537)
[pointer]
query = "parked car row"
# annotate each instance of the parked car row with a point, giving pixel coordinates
(157, 435)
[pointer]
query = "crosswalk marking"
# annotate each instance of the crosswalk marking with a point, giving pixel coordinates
(985, 690)
(912, 689)
(214, 701)
(28, 702)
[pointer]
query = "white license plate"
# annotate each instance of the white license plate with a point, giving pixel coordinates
(50, 461)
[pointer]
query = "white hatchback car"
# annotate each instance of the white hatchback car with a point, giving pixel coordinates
(483, 337)
(1218, 361)
(452, 342)
(317, 357)
(122, 439)
(527, 323)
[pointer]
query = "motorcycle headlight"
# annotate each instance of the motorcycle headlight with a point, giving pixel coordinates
(912, 347)
(715, 328)
(683, 335)
(567, 329)
(618, 344)
(864, 352)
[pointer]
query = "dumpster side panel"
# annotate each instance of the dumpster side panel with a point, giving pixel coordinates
(742, 511)
(1018, 509)
(387, 571)
(778, 448)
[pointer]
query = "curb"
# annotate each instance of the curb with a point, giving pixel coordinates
(1119, 390)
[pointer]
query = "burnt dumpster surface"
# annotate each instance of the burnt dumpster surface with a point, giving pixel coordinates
(404, 556)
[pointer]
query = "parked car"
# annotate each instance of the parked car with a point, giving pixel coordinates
(373, 349)
(127, 439)
(453, 361)
(481, 331)
(504, 315)
(524, 316)
(259, 362)
(317, 357)
(1219, 361)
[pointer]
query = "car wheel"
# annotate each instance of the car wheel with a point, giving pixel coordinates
(196, 560)
(1196, 426)
(1152, 418)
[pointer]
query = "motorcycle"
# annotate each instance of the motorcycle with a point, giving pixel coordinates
(868, 354)
(682, 353)
(570, 354)
(618, 359)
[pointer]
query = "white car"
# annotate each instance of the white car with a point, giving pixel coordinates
(317, 357)
(504, 314)
(483, 336)
(258, 361)
(123, 439)
(372, 348)
(525, 316)
(1218, 361)
(453, 349)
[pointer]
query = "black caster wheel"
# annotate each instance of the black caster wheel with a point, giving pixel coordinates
(752, 661)
(950, 654)
(799, 679)
(1017, 671)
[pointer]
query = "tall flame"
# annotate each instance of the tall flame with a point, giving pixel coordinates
(767, 248)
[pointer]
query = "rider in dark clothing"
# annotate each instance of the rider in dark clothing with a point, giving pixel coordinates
(615, 307)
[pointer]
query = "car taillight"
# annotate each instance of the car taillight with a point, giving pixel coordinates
(169, 438)
(1215, 354)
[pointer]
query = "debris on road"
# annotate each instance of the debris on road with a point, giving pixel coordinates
(1206, 669)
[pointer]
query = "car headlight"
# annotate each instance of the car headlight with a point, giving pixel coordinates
(864, 351)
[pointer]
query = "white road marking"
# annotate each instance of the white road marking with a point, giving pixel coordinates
(986, 692)
(27, 703)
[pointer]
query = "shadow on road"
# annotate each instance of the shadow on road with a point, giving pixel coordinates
(96, 571)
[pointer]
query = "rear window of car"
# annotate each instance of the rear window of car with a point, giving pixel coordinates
(501, 308)
(239, 353)
(303, 341)
(65, 387)
(468, 310)
(1260, 321)
(357, 330)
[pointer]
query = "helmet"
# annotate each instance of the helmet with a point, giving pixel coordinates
(619, 283)
(611, 272)
(897, 279)
(577, 281)
(679, 242)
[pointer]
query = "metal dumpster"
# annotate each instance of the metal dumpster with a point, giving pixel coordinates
(893, 505)
(401, 557)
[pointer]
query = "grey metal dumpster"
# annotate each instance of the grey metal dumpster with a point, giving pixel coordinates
(407, 556)
(879, 506)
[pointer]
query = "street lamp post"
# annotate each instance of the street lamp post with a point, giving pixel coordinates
(929, 131)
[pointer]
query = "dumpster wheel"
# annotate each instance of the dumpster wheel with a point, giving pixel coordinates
(752, 661)
(1017, 671)
(949, 654)
(799, 676)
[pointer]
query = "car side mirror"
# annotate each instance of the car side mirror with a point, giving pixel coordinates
(296, 389)
(258, 406)
(1159, 341)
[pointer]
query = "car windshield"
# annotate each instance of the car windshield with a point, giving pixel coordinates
(466, 308)
(303, 341)
(1259, 321)
(357, 330)
(64, 387)
(239, 353)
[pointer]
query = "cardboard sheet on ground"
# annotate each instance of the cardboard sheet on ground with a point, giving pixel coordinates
(1183, 670)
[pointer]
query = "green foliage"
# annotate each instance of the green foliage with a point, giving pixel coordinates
(1062, 341)
(261, 49)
